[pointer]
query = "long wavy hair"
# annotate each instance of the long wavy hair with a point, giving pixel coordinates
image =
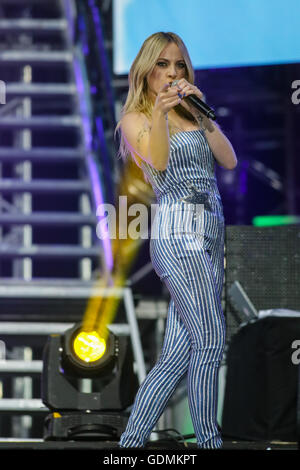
(138, 99)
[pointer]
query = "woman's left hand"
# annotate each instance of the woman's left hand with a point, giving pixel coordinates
(186, 90)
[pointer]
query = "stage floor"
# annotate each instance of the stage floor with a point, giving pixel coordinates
(39, 444)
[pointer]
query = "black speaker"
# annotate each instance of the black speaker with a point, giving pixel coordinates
(261, 392)
(266, 262)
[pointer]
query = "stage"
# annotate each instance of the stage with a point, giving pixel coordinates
(229, 444)
(83, 311)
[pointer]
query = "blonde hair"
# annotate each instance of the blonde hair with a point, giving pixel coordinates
(137, 98)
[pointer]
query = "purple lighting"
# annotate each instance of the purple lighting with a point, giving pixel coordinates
(243, 177)
(99, 200)
(87, 135)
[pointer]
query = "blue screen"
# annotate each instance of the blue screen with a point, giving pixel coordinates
(220, 33)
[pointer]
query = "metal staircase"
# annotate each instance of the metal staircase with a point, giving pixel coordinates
(43, 134)
(49, 253)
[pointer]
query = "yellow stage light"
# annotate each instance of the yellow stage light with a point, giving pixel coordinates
(89, 346)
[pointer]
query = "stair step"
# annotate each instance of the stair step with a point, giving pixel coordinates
(21, 367)
(20, 405)
(49, 328)
(47, 218)
(24, 24)
(36, 57)
(40, 89)
(9, 285)
(40, 122)
(50, 289)
(25, 2)
(41, 154)
(13, 185)
(49, 251)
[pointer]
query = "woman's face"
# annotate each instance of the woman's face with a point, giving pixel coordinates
(169, 66)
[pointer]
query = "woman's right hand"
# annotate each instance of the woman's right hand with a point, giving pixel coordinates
(150, 140)
(167, 98)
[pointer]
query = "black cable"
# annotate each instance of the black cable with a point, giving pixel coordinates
(189, 436)
(164, 431)
(179, 437)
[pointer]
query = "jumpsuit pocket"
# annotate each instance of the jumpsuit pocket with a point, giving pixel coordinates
(182, 219)
(187, 229)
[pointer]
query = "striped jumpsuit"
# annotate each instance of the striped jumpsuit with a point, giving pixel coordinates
(187, 253)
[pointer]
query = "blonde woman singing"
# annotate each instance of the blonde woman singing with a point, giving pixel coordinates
(177, 149)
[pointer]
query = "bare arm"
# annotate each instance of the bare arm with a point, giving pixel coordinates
(150, 140)
(219, 145)
(218, 142)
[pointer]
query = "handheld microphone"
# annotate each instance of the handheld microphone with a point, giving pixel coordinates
(199, 104)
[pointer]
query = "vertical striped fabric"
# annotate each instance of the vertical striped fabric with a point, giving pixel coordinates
(187, 253)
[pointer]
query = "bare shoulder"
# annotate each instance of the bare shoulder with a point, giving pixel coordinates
(133, 122)
(136, 130)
